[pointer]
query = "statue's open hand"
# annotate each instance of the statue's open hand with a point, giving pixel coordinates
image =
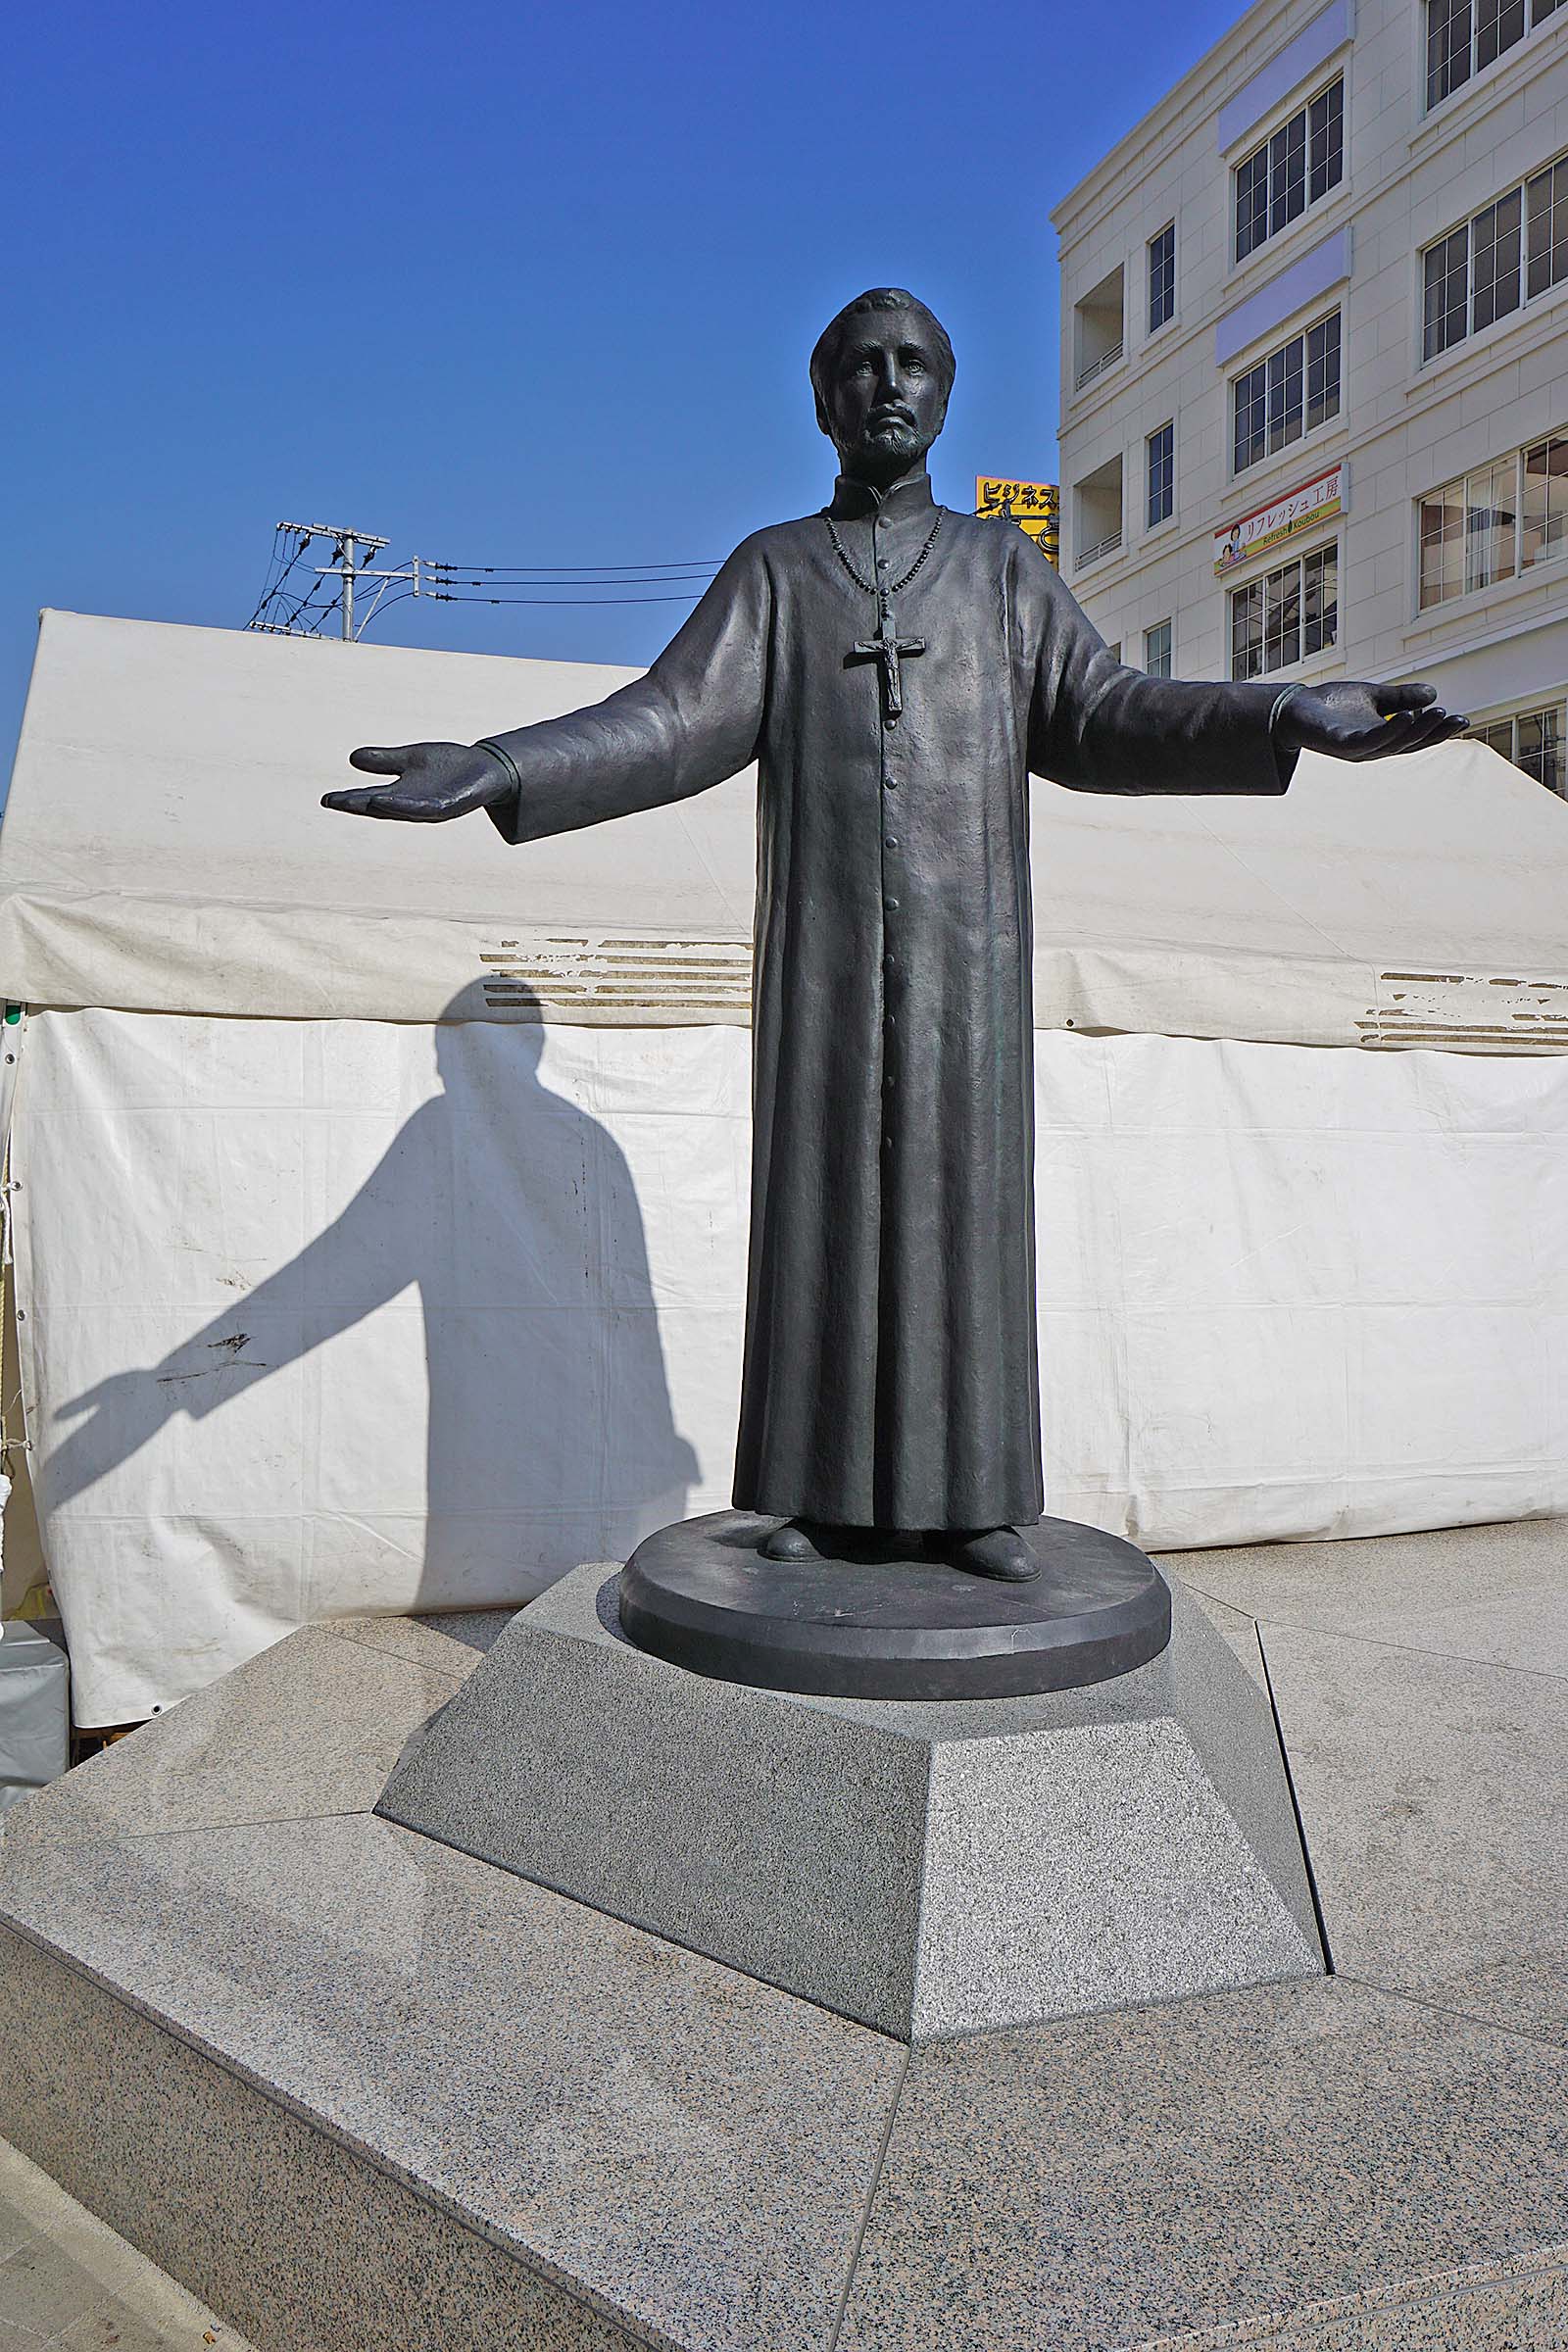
(430, 782)
(1349, 721)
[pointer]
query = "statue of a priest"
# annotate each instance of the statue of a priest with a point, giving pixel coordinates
(897, 672)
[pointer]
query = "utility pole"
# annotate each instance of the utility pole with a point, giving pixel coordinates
(342, 563)
(283, 611)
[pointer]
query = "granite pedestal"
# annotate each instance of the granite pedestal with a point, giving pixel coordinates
(926, 1868)
(355, 2088)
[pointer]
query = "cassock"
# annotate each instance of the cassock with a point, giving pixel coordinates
(890, 1367)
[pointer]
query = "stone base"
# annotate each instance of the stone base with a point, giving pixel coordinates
(886, 1624)
(355, 2088)
(926, 1869)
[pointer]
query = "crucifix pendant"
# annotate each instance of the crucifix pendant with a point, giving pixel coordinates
(887, 648)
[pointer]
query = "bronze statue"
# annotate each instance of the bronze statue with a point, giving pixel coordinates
(897, 672)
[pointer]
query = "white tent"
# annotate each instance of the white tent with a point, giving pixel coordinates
(343, 1283)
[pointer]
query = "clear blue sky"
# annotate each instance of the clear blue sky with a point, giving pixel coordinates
(510, 284)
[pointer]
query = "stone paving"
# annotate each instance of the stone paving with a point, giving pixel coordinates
(1419, 1684)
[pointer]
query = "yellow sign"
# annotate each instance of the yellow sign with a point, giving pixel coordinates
(1266, 527)
(1032, 506)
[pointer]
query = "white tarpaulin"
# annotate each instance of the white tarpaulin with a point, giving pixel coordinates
(339, 1315)
(342, 1284)
(164, 851)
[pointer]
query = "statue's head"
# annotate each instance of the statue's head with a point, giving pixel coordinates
(882, 371)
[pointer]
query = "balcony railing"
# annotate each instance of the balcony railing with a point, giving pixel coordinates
(1106, 358)
(1106, 547)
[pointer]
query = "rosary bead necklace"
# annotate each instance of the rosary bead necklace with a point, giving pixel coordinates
(869, 587)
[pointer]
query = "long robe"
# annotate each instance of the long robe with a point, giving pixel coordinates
(889, 1369)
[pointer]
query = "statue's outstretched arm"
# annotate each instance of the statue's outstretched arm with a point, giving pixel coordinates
(690, 722)
(1100, 727)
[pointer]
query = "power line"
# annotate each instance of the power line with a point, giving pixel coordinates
(685, 565)
(402, 597)
(295, 601)
(441, 596)
(563, 580)
(277, 571)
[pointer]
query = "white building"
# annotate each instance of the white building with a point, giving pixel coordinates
(1314, 401)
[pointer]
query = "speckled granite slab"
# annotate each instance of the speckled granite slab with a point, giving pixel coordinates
(309, 1727)
(1435, 1792)
(927, 1869)
(1517, 2305)
(1497, 1594)
(1218, 2172)
(357, 2089)
(355, 2160)
(1422, 1688)
(685, 2151)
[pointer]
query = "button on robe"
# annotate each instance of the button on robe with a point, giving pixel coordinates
(889, 1369)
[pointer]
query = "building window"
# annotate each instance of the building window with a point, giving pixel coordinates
(1465, 36)
(1547, 241)
(1161, 448)
(1543, 508)
(1533, 739)
(1157, 650)
(1503, 520)
(1162, 276)
(1448, 47)
(1287, 616)
(1298, 165)
(1292, 392)
(1467, 535)
(1502, 257)
(1495, 250)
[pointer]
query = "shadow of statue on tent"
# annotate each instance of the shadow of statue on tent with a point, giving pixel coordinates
(550, 1434)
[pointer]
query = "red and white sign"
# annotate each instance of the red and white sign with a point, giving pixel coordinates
(1281, 520)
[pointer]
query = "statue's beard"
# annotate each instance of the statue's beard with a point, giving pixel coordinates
(888, 449)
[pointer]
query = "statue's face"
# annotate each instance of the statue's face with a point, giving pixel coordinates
(887, 398)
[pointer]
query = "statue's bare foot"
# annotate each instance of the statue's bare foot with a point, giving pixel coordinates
(794, 1541)
(995, 1551)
